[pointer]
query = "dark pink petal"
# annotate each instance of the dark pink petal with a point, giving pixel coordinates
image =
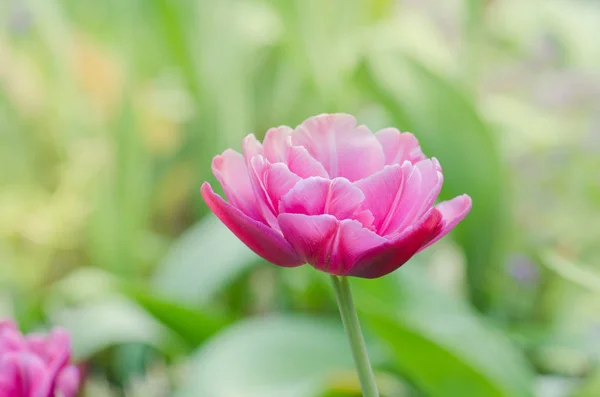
(398, 195)
(260, 238)
(453, 211)
(270, 182)
(381, 190)
(427, 176)
(395, 252)
(8, 377)
(68, 381)
(231, 171)
(399, 147)
(327, 243)
(27, 373)
(316, 196)
(276, 144)
(343, 149)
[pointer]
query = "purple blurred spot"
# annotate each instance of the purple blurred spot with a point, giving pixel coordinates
(20, 17)
(522, 269)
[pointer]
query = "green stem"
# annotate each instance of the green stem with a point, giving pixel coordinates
(357, 342)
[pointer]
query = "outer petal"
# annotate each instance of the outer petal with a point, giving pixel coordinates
(453, 211)
(231, 171)
(325, 242)
(276, 144)
(399, 195)
(389, 256)
(251, 147)
(10, 338)
(342, 148)
(8, 324)
(260, 238)
(399, 147)
(270, 182)
(54, 348)
(27, 373)
(427, 180)
(68, 381)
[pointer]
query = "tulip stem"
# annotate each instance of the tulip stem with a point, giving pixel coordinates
(343, 295)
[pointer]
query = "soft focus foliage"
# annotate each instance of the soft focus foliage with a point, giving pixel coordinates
(110, 113)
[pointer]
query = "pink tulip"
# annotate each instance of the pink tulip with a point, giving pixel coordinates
(36, 365)
(334, 195)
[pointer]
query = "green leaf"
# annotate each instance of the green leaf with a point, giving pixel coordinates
(590, 387)
(448, 126)
(192, 324)
(201, 262)
(112, 321)
(287, 356)
(570, 271)
(438, 342)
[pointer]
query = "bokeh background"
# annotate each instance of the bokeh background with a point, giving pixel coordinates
(110, 113)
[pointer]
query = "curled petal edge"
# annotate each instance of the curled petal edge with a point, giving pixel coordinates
(260, 238)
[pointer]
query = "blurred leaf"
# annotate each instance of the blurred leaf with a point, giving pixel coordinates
(438, 342)
(554, 386)
(201, 262)
(474, 31)
(570, 271)
(324, 43)
(193, 325)
(449, 127)
(177, 31)
(276, 356)
(590, 387)
(113, 321)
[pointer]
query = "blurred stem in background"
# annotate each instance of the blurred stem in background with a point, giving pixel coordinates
(343, 295)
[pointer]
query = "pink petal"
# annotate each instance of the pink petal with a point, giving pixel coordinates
(8, 324)
(260, 238)
(427, 180)
(343, 149)
(389, 256)
(270, 182)
(325, 242)
(57, 349)
(276, 144)
(316, 196)
(301, 163)
(453, 211)
(251, 147)
(399, 195)
(11, 339)
(68, 381)
(231, 171)
(27, 373)
(278, 149)
(399, 147)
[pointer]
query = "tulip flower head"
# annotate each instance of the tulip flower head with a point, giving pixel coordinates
(334, 195)
(36, 365)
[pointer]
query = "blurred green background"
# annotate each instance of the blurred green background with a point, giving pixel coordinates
(110, 113)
